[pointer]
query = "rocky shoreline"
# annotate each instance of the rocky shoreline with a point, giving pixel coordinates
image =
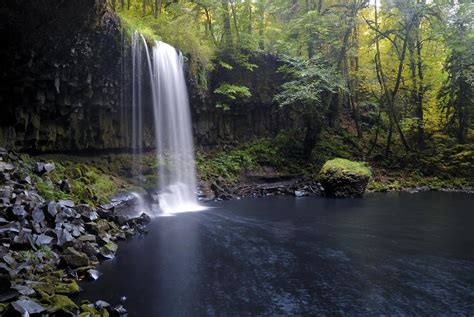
(298, 187)
(48, 246)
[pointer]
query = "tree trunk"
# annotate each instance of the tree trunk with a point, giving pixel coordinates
(234, 18)
(227, 35)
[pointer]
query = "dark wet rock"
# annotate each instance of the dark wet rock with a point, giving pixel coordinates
(101, 304)
(75, 258)
(8, 295)
(24, 237)
(6, 167)
(38, 215)
(48, 167)
(93, 274)
(10, 227)
(89, 215)
(87, 238)
(26, 179)
(108, 250)
(97, 227)
(90, 249)
(63, 236)
(5, 177)
(61, 218)
(5, 283)
(24, 290)
(19, 212)
(39, 167)
(43, 168)
(66, 203)
(65, 186)
(27, 306)
(118, 311)
(52, 208)
(43, 239)
(300, 193)
(342, 178)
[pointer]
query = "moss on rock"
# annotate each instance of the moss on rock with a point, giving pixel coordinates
(344, 178)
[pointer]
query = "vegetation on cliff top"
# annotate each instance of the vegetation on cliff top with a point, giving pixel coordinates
(398, 75)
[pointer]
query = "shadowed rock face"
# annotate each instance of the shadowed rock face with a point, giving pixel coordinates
(65, 84)
(61, 76)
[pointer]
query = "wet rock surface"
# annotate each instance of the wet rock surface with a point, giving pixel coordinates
(260, 186)
(47, 246)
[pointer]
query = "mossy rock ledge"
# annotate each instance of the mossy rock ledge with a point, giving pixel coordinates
(343, 178)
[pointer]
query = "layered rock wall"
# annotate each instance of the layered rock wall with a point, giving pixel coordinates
(65, 84)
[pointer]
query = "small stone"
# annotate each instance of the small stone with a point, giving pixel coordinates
(6, 167)
(101, 304)
(48, 167)
(52, 208)
(66, 203)
(65, 186)
(75, 258)
(24, 290)
(300, 193)
(108, 250)
(89, 249)
(63, 236)
(37, 215)
(26, 180)
(87, 238)
(39, 167)
(19, 212)
(93, 274)
(119, 310)
(27, 306)
(43, 239)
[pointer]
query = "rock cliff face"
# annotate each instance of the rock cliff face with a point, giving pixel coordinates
(61, 76)
(65, 84)
(245, 119)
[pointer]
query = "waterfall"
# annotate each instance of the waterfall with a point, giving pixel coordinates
(137, 105)
(172, 121)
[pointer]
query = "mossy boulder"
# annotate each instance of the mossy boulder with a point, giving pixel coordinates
(343, 178)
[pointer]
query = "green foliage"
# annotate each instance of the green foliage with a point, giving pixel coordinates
(308, 80)
(87, 184)
(227, 165)
(231, 92)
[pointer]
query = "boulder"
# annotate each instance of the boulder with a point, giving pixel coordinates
(74, 258)
(343, 178)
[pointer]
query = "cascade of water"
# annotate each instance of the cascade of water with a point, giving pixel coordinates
(172, 119)
(137, 104)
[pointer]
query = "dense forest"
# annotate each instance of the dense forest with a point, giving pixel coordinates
(397, 76)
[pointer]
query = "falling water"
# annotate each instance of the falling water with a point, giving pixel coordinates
(137, 105)
(172, 119)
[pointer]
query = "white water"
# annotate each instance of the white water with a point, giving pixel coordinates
(173, 130)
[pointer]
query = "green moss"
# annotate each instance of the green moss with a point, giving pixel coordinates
(338, 167)
(61, 303)
(67, 288)
(3, 307)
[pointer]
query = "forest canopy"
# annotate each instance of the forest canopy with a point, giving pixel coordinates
(396, 73)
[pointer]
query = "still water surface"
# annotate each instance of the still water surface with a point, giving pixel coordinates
(396, 253)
